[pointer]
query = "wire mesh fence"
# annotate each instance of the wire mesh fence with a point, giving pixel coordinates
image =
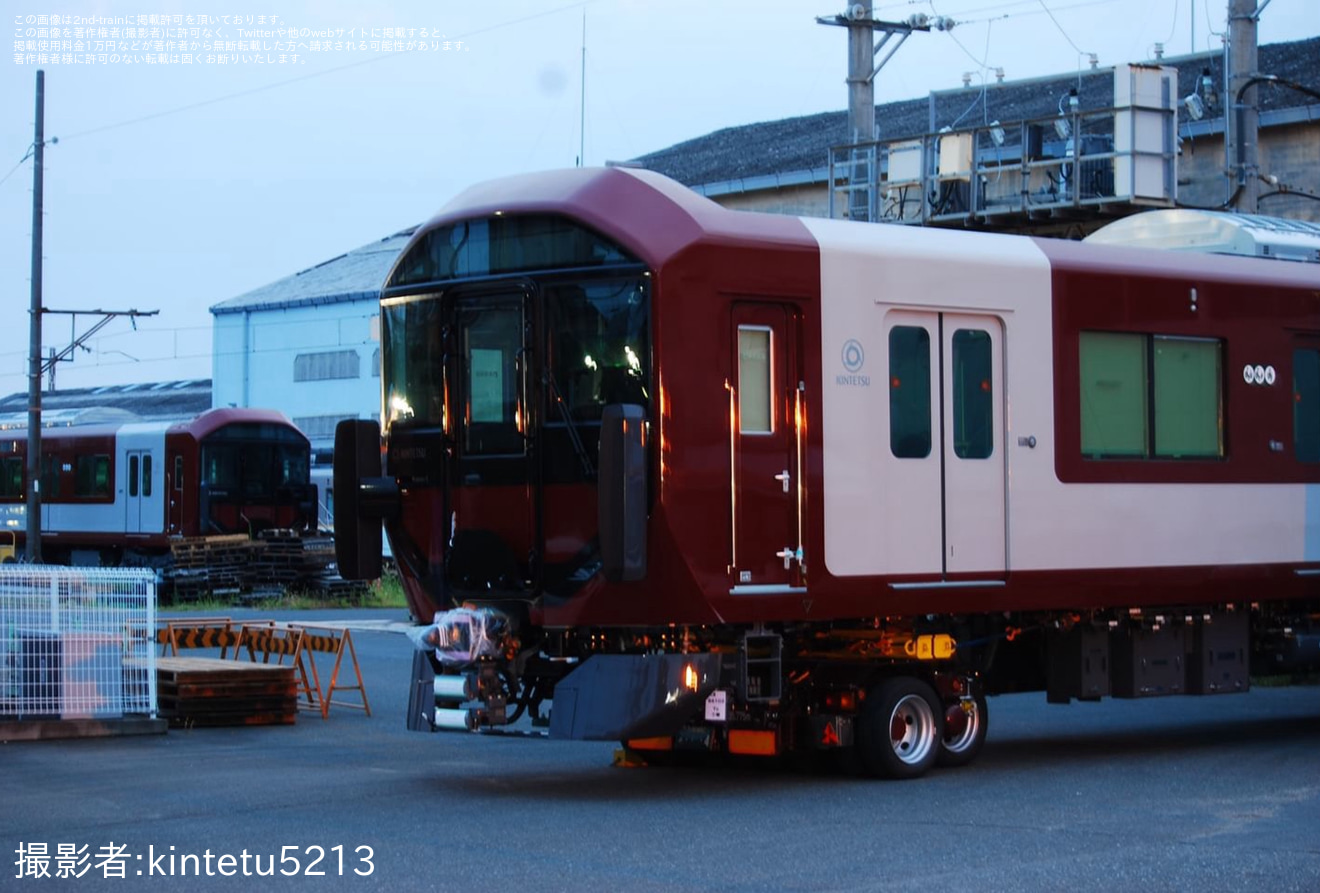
(77, 643)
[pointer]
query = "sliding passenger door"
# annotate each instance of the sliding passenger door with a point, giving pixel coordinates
(974, 511)
(943, 466)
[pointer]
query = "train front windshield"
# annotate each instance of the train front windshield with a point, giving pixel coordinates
(484, 315)
(502, 341)
(254, 461)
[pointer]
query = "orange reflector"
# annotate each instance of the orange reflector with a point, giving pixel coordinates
(753, 743)
(651, 743)
(690, 677)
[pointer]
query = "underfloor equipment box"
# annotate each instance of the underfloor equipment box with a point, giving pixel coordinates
(1078, 664)
(1149, 661)
(1219, 660)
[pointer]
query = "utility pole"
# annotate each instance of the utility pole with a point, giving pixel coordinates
(861, 80)
(862, 53)
(34, 338)
(1242, 18)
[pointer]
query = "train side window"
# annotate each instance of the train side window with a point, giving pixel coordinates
(756, 414)
(909, 392)
(132, 475)
(178, 473)
(11, 480)
(1113, 394)
(1306, 405)
(50, 476)
(146, 475)
(973, 395)
(1151, 395)
(1188, 421)
(92, 475)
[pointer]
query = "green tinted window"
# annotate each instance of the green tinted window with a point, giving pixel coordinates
(92, 476)
(1113, 394)
(1187, 404)
(1306, 405)
(909, 392)
(973, 395)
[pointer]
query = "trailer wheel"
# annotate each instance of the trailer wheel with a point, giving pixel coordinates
(901, 728)
(964, 731)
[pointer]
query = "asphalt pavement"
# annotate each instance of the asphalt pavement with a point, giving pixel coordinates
(1213, 793)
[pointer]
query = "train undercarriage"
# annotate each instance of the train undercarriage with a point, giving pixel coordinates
(886, 698)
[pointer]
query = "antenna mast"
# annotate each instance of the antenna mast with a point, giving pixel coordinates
(582, 110)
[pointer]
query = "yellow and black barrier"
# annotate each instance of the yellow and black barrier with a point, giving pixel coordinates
(269, 642)
(174, 636)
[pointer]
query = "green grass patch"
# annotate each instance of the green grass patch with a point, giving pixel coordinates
(387, 592)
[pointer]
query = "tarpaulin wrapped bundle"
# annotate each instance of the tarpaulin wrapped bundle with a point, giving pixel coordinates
(463, 635)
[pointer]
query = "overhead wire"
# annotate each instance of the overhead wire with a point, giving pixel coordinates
(1060, 27)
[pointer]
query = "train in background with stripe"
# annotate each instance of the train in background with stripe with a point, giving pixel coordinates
(748, 483)
(116, 492)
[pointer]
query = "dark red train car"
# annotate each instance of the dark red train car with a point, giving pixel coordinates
(762, 483)
(118, 492)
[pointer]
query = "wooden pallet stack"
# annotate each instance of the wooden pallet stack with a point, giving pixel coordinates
(206, 565)
(202, 691)
(280, 559)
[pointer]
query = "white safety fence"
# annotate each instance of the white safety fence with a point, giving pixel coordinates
(76, 643)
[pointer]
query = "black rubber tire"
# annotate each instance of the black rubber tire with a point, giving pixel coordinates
(901, 728)
(963, 733)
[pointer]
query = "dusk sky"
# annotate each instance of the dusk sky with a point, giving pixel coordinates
(176, 186)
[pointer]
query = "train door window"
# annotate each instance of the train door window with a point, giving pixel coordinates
(146, 474)
(178, 472)
(50, 476)
(973, 395)
(491, 355)
(1113, 394)
(92, 476)
(909, 392)
(1306, 404)
(133, 475)
(755, 388)
(1188, 421)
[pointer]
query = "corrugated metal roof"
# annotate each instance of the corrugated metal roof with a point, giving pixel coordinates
(167, 400)
(354, 276)
(801, 144)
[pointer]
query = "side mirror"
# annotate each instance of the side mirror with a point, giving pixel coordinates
(362, 498)
(621, 492)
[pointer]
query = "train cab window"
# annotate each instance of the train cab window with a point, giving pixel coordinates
(909, 392)
(973, 395)
(755, 388)
(1145, 396)
(1306, 405)
(92, 476)
(132, 475)
(146, 475)
(11, 476)
(597, 334)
